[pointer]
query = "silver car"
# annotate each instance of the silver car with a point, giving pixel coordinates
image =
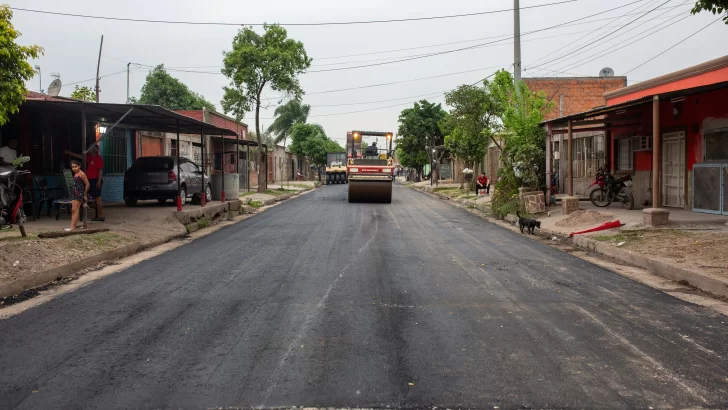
(156, 178)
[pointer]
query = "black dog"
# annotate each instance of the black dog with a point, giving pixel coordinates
(528, 223)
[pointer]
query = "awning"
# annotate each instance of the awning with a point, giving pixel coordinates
(142, 117)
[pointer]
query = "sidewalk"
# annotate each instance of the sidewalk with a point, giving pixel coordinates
(691, 249)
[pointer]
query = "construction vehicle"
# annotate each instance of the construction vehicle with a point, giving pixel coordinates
(370, 170)
(336, 168)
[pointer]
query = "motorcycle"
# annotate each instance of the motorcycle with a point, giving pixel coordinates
(11, 196)
(611, 189)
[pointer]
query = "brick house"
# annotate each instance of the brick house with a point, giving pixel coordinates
(670, 133)
(569, 95)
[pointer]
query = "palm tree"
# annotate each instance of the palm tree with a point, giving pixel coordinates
(285, 117)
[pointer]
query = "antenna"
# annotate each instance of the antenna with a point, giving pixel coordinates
(606, 72)
(55, 88)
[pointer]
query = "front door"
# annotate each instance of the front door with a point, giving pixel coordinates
(673, 169)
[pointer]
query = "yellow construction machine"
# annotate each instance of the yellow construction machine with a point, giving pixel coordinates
(336, 168)
(370, 171)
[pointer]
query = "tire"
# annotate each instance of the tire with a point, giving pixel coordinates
(129, 202)
(338, 178)
(627, 198)
(208, 193)
(183, 194)
(598, 198)
(328, 179)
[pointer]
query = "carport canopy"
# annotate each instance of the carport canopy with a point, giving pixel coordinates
(139, 116)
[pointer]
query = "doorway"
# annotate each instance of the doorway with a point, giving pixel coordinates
(673, 169)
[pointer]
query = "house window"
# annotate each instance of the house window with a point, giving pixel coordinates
(173, 148)
(716, 146)
(624, 154)
(588, 154)
(114, 152)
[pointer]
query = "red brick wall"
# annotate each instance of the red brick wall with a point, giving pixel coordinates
(580, 93)
(218, 121)
(196, 114)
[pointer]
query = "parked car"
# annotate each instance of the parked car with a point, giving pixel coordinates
(156, 178)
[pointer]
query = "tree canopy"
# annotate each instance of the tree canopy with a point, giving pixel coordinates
(83, 93)
(713, 6)
(471, 123)
(419, 129)
(14, 67)
(287, 115)
(169, 92)
(258, 61)
(310, 140)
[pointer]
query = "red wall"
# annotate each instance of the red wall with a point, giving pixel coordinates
(694, 109)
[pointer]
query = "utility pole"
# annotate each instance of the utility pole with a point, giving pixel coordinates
(127, 83)
(516, 43)
(98, 67)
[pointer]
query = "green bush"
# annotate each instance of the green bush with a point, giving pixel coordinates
(203, 222)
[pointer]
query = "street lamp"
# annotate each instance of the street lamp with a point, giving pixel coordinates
(40, 79)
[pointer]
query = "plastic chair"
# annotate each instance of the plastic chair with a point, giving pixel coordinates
(62, 203)
(44, 197)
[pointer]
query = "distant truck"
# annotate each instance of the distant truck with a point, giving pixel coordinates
(336, 168)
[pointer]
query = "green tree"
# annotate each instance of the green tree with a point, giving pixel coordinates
(418, 130)
(713, 6)
(83, 93)
(286, 116)
(171, 93)
(300, 133)
(522, 141)
(14, 67)
(257, 61)
(471, 122)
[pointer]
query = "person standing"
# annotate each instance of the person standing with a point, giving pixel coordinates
(80, 193)
(9, 152)
(94, 173)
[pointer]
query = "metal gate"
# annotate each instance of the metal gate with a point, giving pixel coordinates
(709, 188)
(673, 169)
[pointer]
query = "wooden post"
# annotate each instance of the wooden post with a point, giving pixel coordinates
(656, 200)
(570, 165)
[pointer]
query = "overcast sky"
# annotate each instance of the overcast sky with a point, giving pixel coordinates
(71, 46)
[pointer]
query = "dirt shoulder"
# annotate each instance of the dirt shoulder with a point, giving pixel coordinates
(20, 257)
(705, 251)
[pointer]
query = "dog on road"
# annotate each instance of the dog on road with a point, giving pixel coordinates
(528, 223)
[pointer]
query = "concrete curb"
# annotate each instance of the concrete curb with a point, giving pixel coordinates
(701, 281)
(43, 278)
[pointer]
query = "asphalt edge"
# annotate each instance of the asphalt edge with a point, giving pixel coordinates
(707, 284)
(40, 279)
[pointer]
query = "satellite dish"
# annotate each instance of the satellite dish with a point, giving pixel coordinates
(55, 87)
(606, 72)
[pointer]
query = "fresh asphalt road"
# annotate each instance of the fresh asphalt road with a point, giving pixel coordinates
(317, 302)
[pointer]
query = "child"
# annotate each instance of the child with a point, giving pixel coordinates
(80, 193)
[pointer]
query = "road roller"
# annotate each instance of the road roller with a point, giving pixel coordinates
(370, 170)
(335, 168)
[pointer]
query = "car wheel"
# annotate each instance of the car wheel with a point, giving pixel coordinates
(208, 193)
(183, 194)
(130, 201)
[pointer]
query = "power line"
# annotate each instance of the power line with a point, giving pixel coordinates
(94, 79)
(598, 40)
(578, 39)
(333, 23)
(675, 45)
(621, 46)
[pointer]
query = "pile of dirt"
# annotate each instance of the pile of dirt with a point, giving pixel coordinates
(25, 256)
(584, 217)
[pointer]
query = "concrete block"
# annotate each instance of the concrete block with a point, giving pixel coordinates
(570, 204)
(655, 216)
(235, 205)
(269, 202)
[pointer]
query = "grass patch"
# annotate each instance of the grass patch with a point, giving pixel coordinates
(18, 238)
(624, 236)
(255, 204)
(203, 222)
(302, 186)
(468, 197)
(244, 194)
